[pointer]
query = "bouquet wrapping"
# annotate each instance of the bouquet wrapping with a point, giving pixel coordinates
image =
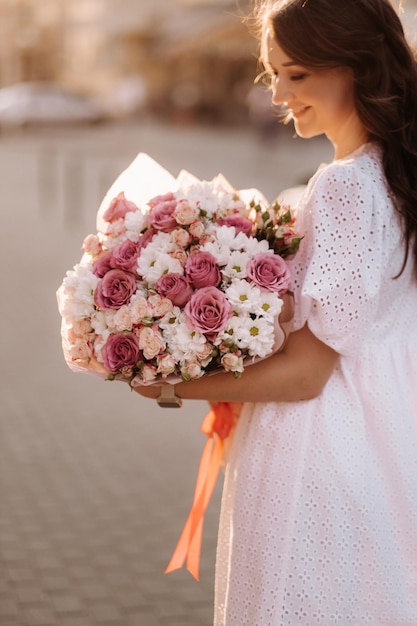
(183, 278)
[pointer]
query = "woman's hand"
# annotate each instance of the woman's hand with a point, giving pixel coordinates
(299, 372)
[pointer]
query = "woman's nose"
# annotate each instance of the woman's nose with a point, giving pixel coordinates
(281, 93)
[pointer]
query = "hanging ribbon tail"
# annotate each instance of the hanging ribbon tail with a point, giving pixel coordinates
(217, 425)
(189, 544)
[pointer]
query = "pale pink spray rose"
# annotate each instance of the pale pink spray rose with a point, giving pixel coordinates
(115, 289)
(118, 208)
(197, 229)
(120, 351)
(92, 245)
(202, 270)
(186, 212)
(166, 364)
(175, 287)
(151, 342)
(242, 224)
(208, 311)
(180, 255)
(125, 255)
(147, 374)
(161, 216)
(270, 272)
(159, 306)
(102, 264)
(180, 237)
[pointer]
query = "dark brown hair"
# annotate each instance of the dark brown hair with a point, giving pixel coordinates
(368, 37)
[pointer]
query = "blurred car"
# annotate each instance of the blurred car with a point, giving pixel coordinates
(33, 103)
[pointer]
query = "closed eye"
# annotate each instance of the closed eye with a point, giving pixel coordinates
(296, 77)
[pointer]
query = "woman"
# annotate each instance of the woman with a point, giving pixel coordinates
(319, 512)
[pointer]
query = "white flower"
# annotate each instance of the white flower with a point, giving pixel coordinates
(243, 296)
(102, 322)
(202, 193)
(256, 336)
(269, 305)
(186, 344)
(135, 221)
(79, 286)
(236, 266)
(152, 264)
(253, 246)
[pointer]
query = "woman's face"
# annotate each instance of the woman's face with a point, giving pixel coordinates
(319, 101)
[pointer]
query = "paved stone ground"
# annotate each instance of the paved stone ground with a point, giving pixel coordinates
(95, 482)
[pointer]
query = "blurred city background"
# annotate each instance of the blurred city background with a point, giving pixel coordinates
(96, 482)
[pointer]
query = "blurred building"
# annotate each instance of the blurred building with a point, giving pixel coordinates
(186, 58)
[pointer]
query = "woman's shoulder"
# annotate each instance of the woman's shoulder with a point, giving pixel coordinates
(363, 165)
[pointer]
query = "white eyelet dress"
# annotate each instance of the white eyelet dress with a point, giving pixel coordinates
(319, 512)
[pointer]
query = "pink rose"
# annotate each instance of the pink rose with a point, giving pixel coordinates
(161, 216)
(208, 311)
(241, 224)
(115, 289)
(162, 198)
(118, 208)
(102, 264)
(120, 351)
(202, 270)
(175, 287)
(270, 272)
(145, 238)
(125, 255)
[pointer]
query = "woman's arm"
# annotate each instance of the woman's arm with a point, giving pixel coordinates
(299, 372)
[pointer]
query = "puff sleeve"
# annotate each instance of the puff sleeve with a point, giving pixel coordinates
(346, 259)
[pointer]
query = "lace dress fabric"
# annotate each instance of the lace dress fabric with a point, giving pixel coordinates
(319, 512)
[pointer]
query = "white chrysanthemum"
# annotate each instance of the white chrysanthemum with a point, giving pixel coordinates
(229, 204)
(102, 322)
(223, 241)
(243, 296)
(201, 192)
(255, 335)
(135, 222)
(153, 263)
(268, 305)
(253, 246)
(186, 343)
(79, 286)
(169, 324)
(236, 266)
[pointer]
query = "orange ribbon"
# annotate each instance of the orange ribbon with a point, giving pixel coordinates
(217, 425)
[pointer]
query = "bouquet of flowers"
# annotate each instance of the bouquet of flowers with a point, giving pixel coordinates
(182, 279)
(186, 283)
